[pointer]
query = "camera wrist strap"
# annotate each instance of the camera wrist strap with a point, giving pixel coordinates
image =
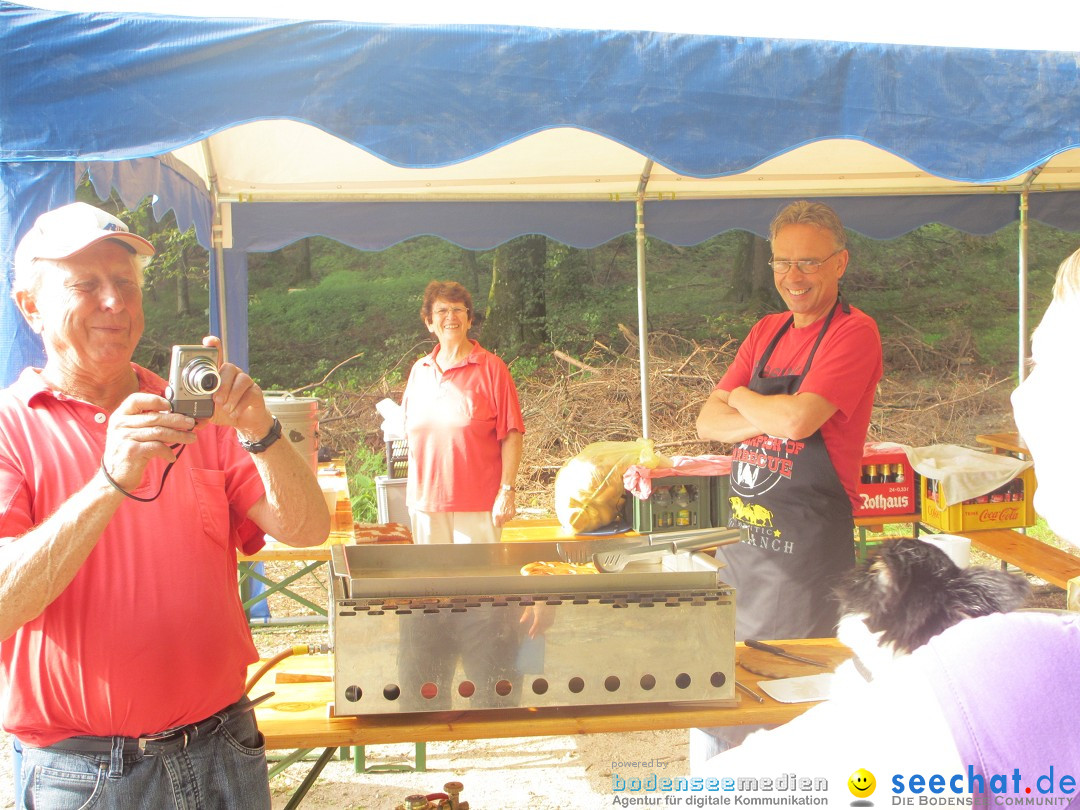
(164, 475)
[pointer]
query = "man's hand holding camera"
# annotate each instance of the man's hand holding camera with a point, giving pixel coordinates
(141, 429)
(147, 426)
(238, 401)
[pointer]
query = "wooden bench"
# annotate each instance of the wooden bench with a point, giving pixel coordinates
(1027, 553)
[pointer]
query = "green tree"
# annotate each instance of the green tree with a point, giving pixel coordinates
(517, 304)
(752, 279)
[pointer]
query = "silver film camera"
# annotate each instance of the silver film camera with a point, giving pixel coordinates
(193, 379)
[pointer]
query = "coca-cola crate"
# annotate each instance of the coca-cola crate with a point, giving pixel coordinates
(887, 485)
(1007, 507)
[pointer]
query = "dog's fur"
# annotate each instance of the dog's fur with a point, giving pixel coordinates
(911, 591)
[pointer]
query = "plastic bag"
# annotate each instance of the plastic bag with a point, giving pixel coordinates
(589, 488)
(638, 479)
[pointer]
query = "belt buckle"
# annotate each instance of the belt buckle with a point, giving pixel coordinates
(165, 736)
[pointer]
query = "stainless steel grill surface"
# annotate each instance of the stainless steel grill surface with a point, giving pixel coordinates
(435, 628)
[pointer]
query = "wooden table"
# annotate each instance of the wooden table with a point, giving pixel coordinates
(1009, 443)
(300, 716)
(542, 530)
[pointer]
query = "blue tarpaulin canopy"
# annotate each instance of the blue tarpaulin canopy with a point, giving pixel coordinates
(259, 132)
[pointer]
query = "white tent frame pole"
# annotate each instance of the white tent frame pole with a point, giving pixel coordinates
(642, 305)
(1022, 276)
(1022, 292)
(217, 243)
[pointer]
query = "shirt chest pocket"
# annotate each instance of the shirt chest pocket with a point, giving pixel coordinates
(212, 504)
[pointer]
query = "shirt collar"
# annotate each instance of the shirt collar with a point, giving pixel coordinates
(472, 357)
(30, 386)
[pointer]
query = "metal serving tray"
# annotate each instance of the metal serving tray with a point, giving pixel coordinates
(433, 628)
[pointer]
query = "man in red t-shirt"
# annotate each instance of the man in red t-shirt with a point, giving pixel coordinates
(796, 404)
(123, 644)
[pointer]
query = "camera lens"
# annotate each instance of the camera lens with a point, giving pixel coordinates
(201, 377)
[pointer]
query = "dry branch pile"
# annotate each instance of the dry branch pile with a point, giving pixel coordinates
(597, 397)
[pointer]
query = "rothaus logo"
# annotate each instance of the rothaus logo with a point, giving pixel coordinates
(880, 501)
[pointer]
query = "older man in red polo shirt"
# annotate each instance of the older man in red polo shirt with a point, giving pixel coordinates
(123, 644)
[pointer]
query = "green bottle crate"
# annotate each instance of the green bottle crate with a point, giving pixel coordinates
(677, 503)
(721, 499)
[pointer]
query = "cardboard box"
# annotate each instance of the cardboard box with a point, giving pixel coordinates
(887, 485)
(1008, 507)
(677, 503)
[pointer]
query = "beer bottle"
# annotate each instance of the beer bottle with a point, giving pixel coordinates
(865, 478)
(898, 473)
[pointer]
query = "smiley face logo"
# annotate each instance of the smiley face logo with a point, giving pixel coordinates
(861, 783)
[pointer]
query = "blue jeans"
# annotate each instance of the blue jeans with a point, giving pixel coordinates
(225, 769)
(16, 766)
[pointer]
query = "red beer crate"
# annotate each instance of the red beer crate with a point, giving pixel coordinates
(886, 484)
(1007, 507)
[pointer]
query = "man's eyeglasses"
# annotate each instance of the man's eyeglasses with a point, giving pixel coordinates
(807, 266)
(442, 312)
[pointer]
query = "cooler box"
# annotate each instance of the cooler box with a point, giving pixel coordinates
(1007, 507)
(390, 500)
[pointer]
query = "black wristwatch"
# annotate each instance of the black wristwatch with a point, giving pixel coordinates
(262, 444)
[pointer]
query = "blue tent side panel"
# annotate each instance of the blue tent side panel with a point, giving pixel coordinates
(29, 190)
(472, 225)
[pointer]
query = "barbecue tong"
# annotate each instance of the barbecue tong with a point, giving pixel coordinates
(613, 555)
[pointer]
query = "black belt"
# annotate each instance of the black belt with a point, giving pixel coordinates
(164, 742)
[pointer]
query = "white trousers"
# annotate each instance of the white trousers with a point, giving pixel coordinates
(453, 527)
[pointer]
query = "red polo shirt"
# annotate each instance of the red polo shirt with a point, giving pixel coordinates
(455, 421)
(150, 634)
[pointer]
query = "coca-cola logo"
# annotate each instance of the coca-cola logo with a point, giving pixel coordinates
(999, 515)
(880, 501)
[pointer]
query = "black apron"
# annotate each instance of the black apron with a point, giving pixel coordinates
(796, 516)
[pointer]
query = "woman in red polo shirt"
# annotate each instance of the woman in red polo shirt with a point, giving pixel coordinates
(464, 426)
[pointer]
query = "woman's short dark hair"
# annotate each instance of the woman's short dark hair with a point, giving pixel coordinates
(447, 291)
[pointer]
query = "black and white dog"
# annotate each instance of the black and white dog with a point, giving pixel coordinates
(908, 593)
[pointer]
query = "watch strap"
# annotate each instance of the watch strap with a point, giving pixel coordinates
(266, 441)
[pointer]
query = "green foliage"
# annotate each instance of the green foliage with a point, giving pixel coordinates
(362, 465)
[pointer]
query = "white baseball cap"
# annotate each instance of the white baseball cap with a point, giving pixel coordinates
(65, 231)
